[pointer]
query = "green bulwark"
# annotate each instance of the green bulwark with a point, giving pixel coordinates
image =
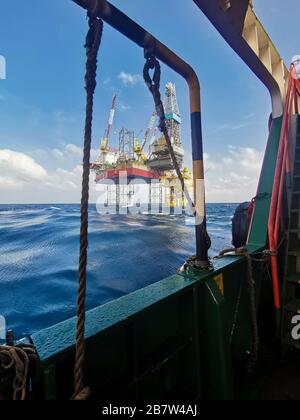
(183, 338)
(153, 343)
(259, 230)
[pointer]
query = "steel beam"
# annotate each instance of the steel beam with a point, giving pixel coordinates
(239, 26)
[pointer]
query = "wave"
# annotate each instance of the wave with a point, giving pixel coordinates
(54, 208)
(39, 257)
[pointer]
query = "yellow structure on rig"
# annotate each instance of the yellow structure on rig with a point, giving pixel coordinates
(173, 196)
(138, 150)
(145, 162)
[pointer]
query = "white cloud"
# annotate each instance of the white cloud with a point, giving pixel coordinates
(130, 79)
(71, 149)
(23, 180)
(230, 177)
(209, 164)
(58, 154)
(233, 177)
(231, 127)
(65, 181)
(250, 159)
(70, 152)
(18, 168)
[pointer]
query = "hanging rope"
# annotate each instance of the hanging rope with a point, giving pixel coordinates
(243, 252)
(92, 46)
(20, 358)
(253, 314)
(153, 85)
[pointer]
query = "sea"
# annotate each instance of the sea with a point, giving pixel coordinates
(39, 246)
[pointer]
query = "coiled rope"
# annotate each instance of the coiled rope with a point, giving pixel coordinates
(93, 41)
(20, 358)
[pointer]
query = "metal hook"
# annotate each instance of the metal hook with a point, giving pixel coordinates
(152, 64)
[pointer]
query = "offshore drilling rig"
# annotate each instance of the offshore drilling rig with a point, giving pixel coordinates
(136, 173)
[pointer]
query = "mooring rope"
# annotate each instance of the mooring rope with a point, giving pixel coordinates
(93, 41)
(19, 358)
(243, 252)
(253, 313)
(153, 85)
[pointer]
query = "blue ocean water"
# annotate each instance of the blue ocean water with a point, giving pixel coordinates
(39, 256)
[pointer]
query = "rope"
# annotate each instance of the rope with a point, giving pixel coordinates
(265, 255)
(253, 314)
(243, 252)
(19, 358)
(236, 313)
(153, 85)
(92, 46)
(237, 251)
(260, 196)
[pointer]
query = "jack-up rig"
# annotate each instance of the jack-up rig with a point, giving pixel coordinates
(222, 331)
(141, 163)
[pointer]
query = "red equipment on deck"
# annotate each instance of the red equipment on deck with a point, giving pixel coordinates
(283, 168)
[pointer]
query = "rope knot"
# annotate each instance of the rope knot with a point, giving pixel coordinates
(92, 44)
(153, 83)
(20, 358)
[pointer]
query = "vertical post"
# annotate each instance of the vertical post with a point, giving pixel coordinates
(160, 197)
(118, 195)
(10, 340)
(183, 203)
(150, 197)
(107, 196)
(296, 102)
(172, 200)
(202, 239)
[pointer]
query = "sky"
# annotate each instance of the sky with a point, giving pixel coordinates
(42, 99)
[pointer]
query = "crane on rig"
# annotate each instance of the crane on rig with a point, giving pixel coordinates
(107, 156)
(139, 149)
(105, 141)
(152, 141)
